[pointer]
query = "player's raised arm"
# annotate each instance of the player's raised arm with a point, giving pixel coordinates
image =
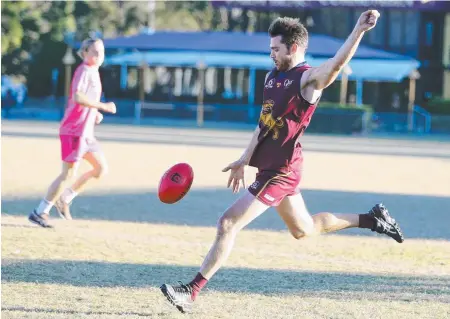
(321, 77)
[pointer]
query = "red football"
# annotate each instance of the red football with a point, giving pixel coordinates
(175, 183)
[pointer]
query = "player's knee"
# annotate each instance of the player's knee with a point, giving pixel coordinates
(100, 171)
(66, 175)
(225, 225)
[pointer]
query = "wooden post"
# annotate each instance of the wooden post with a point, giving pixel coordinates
(67, 81)
(141, 82)
(344, 84)
(413, 76)
(251, 94)
(68, 60)
(200, 107)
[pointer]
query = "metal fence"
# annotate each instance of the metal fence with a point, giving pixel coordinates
(325, 120)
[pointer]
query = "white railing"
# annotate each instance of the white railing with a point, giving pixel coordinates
(417, 110)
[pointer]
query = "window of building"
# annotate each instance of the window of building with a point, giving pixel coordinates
(340, 23)
(326, 21)
(429, 28)
(411, 28)
(395, 29)
(377, 35)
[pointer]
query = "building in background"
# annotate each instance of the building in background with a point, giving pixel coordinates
(236, 67)
(446, 57)
(419, 29)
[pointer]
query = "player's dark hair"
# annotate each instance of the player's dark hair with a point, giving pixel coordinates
(291, 31)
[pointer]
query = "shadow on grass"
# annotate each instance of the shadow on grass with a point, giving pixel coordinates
(419, 216)
(238, 280)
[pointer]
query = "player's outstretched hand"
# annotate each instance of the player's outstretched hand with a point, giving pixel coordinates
(236, 175)
(367, 20)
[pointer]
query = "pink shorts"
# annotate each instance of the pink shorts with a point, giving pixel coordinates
(271, 187)
(73, 148)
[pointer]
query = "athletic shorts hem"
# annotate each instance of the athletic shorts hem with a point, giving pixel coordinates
(74, 148)
(271, 187)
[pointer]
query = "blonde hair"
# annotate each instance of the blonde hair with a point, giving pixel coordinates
(85, 45)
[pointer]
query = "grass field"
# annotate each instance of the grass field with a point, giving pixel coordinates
(124, 243)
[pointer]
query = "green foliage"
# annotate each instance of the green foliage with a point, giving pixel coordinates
(12, 30)
(29, 27)
(33, 33)
(60, 18)
(199, 11)
(12, 38)
(21, 27)
(438, 105)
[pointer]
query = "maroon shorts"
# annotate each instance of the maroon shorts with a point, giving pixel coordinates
(73, 148)
(271, 187)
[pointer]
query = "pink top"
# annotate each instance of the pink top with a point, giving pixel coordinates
(79, 120)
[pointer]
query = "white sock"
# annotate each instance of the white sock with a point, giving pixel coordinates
(44, 207)
(68, 195)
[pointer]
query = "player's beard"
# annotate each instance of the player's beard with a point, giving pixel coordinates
(283, 64)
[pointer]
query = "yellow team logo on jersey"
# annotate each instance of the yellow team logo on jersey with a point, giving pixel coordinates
(268, 121)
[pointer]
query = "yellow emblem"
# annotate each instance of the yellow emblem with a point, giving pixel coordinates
(268, 121)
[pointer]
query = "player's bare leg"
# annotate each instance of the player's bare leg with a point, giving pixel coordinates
(240, 214)
(40, 214)
(99, 168)
(300, 223)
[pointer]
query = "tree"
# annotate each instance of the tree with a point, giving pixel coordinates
(12, 30)
(21, 29)
(58, 20)
(33, 33)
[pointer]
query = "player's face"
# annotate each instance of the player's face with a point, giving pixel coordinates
(280, 54)
(95, 55)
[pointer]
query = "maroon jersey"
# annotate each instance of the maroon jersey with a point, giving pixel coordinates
(284, 117)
